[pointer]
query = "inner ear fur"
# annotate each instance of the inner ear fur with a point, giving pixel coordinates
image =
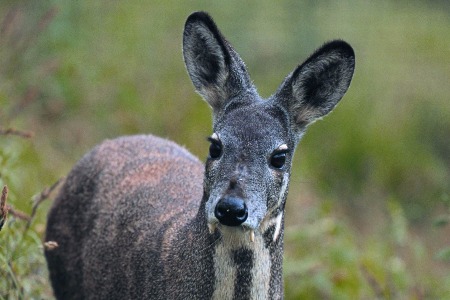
(215, 68)
(317, 85)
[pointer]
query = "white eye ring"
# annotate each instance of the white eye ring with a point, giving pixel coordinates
(282, 147)
(214, 136)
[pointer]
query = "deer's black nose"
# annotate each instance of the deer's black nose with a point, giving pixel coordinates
(231, 211)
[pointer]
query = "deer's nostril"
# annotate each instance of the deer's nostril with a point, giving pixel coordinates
(231, 211)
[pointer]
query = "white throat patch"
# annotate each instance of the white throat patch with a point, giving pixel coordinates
(225, 269)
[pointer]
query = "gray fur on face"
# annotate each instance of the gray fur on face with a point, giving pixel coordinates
(247, 147)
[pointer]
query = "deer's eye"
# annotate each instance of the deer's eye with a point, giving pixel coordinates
(215, 148)
(278, 159)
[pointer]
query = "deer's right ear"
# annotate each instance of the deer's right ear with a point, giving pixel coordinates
(317, 85)
(216, 70)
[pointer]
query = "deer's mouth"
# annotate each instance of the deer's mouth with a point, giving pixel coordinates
(238, 231)
(270, 226)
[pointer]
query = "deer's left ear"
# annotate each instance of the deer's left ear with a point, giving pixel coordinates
(215, 68)
(317, 85)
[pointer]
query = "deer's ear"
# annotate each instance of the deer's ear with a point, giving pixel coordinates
(317, 85)
(216, 70)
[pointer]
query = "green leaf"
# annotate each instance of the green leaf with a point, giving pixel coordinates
(441, 221)
(444, 254)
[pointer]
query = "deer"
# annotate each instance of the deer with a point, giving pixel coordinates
(140, 217)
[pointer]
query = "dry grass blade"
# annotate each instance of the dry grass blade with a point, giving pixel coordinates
(45, 194)
(40, 198)
(373, 283)
(18, 214)
(12, 131)
(47, 18)
(3, 207)
(8, 21)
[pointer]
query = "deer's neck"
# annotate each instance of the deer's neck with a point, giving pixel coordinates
(242, 268)
(246, 269)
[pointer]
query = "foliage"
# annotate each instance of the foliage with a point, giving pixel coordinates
(326, 262)
(22, 264)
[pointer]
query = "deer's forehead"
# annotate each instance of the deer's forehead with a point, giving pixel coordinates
(254, 125)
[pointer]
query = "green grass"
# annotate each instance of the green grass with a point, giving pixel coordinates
(369, 200)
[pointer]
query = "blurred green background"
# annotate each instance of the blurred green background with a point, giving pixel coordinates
(369, 202)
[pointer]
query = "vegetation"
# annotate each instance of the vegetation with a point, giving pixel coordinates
(369, 202)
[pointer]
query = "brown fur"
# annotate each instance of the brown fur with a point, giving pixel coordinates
(107, 182)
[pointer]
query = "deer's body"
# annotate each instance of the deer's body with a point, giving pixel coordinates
(141, 218)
